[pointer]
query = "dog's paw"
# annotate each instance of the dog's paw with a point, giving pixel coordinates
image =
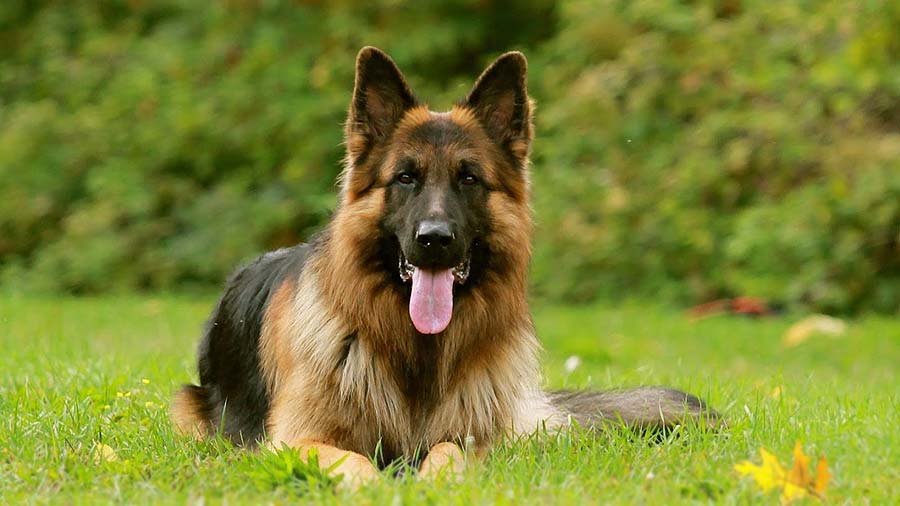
(357, 471)
(444, 460)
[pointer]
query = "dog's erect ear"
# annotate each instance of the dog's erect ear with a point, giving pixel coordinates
(500, 101)
(380, 97)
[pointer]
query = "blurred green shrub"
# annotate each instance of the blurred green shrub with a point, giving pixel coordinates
(717, 148)
(686, 150)
(157, 144)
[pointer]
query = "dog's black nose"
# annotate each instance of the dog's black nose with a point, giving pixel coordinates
(434, 234)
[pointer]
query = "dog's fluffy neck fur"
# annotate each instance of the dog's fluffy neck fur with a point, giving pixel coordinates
(475, 379)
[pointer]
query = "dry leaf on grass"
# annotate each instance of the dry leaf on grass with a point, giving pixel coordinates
(799, 332)
(104, 453)
(793, 484)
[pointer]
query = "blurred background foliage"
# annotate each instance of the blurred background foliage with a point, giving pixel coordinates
(686, 150)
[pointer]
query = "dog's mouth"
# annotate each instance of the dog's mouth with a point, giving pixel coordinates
(460, 271)
(431, 300)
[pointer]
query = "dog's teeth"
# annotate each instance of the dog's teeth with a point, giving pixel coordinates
(406, 269)
(461, 272)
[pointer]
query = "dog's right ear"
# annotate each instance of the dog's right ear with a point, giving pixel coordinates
(380, 98)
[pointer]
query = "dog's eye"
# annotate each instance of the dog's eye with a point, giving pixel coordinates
(406, 178)
(468, 179)
(466, 173)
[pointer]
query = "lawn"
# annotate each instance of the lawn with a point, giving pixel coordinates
(76, 373)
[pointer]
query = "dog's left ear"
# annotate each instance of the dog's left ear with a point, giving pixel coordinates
(500, 101)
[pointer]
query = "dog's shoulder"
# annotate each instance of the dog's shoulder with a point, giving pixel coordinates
(228, 356)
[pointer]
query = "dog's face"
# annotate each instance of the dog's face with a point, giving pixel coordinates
(436, 176)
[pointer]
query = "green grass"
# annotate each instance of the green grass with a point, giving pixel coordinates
(76, 372)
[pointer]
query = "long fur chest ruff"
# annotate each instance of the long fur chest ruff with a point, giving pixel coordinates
(399, 390)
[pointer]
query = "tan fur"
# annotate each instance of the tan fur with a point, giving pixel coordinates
(413, 117)
(428, 156)
(186, 412)
(276, 358)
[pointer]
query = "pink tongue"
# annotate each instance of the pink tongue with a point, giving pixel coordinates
(431, 304)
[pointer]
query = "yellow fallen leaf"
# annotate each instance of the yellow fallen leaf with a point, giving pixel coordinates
(792, 492)
(104, 453)
(799, 332)
(768, 475)
(794, 484)
(823, 476)
(799, 474)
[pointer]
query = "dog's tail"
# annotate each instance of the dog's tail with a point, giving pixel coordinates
(190, 410)
(646, 407)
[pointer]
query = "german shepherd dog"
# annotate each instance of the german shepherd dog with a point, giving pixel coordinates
(403, 328)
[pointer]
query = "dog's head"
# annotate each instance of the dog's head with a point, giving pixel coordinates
(450, 189)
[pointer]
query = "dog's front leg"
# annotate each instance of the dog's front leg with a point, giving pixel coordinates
(356, 469)
(309, 433)
(443, 459)
(448, 460)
